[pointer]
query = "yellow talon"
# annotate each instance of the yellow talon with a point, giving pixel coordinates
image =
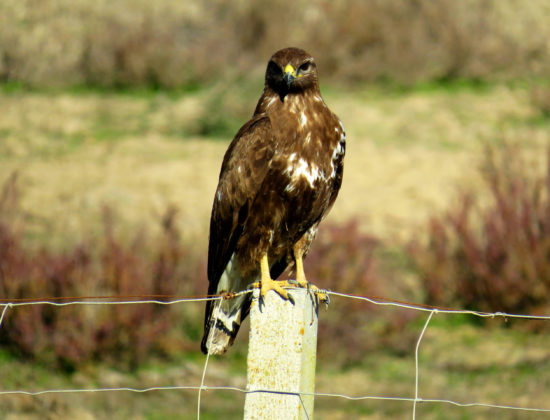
(300, 274)
(267, 283)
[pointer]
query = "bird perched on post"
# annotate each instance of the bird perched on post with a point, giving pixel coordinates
(279, 178)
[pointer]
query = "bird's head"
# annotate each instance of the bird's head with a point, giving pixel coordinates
(291, 70)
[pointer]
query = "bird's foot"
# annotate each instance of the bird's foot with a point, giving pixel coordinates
(278, 286)
(314, 290)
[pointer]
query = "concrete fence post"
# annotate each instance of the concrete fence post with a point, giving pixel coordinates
(281, 357)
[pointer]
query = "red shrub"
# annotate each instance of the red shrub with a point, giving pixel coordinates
(345, 260)
(74, 335)
(492, 256)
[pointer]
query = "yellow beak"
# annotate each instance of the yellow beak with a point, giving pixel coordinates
(290, 74)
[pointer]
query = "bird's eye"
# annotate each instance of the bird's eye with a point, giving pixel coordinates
(304, 67)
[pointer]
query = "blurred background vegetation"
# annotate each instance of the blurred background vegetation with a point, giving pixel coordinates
(166, 44)
(114, 117)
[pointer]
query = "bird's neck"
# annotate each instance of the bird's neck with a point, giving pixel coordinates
(291, 102)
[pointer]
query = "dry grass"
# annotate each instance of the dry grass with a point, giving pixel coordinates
(406, 154)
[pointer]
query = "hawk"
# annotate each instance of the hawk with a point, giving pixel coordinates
(279, 178)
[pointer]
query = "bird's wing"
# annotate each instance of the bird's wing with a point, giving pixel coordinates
(338, 162)
(244, 168)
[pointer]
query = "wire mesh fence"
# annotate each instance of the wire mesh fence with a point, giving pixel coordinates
(13, 304)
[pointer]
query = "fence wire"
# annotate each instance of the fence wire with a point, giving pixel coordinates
(172, 300)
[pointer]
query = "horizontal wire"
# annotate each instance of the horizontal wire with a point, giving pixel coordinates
(269, 391)
(425, 308)
(135, 299)
(127, 302)
(48, 301)
(72, 298)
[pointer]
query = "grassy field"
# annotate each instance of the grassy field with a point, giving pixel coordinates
(141, 152)
(409, 152)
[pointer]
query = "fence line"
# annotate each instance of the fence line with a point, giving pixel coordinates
(147, 299)
(136, 299)
(246, 391)
(48, 301)
(427, 308)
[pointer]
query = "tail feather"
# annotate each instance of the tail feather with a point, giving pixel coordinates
(223, 323)
(222, 319)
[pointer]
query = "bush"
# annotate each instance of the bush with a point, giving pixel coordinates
(345, 260)
(495, 255)
(74, 335)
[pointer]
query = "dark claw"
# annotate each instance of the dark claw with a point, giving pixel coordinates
(327, 301)
(292, 281)
(291, 299)
(315, 308)
(261, 302)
